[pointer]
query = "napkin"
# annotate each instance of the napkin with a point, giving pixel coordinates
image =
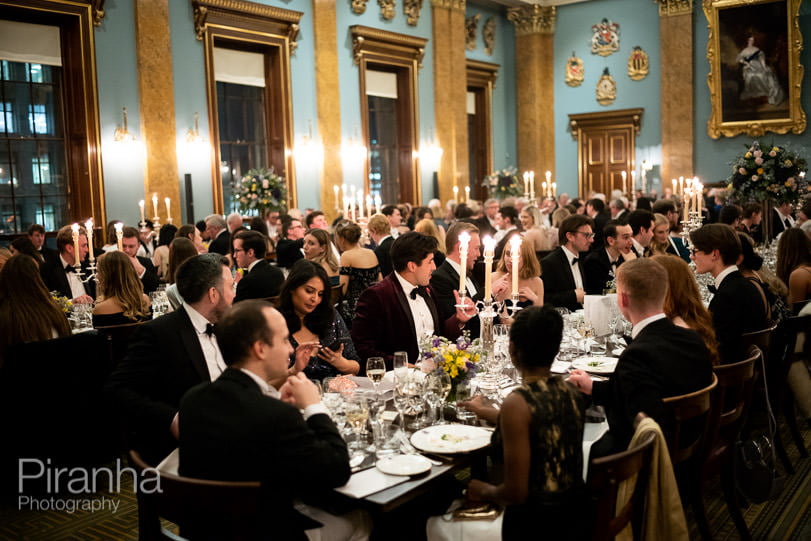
(597, 312)
(370, 481)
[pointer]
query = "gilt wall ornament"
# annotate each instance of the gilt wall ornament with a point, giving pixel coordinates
(606, 38)
(574, 71)
(489, 35)
(411, 9)
(638, 64)
(387, 9)
(471, 25)
(359, 6)
(606, 89)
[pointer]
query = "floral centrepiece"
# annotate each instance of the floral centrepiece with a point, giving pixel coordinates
(61, 301)
(768, 172)
(504, 183)
(260, 190)
(459, 359)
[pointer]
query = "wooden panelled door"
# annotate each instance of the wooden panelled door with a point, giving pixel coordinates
(606, 145)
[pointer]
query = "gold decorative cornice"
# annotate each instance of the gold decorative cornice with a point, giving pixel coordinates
(454, 5)
(668, 8)
(248, 15)
(386, 9)
(359, 6)
(411, 9)
(367, 40)
(533, 19)
(98, 11)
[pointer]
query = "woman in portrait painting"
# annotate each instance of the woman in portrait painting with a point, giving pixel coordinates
(760, 84)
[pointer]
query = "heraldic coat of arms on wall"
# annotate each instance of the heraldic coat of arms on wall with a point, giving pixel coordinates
(606, 38)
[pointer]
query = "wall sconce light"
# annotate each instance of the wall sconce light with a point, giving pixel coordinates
(122, 134)
(353, 151)
(193, 135)
(308, 150)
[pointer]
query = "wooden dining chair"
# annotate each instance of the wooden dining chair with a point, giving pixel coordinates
(762, 339)
(118, 339)
(202, 509)
(732, 398)
(688, 426)
(606, 474)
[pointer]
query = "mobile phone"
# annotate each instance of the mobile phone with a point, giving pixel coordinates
(335, 346)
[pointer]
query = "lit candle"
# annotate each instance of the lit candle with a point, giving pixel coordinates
(119, 235)
(624, 181)
(88, 225)
(369, 204)
(532, 185)
(700, 199)
(544, 188)
(352, 211)
(515, 254)
(548, 175)
(675, 192)
(155, 203)
(360, 203)
(378, 203)
(686, 203)
(633, 180)
(141, 207)
(526, 182)
(464, 240)
(681, 185)
(467, 194)
(489, 249)
(168, 202)
(554, 189)
(75, 229)
(335, 189)
(456, 194)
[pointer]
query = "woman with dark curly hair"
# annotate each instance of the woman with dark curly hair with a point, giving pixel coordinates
(304, 301)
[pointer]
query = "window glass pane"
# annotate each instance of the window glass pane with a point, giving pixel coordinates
(383, 164)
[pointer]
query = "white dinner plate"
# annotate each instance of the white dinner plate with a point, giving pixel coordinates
(596, 365)
(451, 438)
(403, 464)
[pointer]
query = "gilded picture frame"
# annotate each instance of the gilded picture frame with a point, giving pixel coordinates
(755, 74)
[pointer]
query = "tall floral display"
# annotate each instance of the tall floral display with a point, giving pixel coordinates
(504, 183)
(260, 190)
(770, 175)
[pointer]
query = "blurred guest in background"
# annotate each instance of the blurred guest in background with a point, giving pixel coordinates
(121, 297)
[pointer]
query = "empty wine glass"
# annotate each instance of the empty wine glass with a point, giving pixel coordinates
(375, 370)
(400, 365)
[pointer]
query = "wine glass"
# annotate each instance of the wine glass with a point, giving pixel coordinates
(357, 413)
(432, 394)
(400, 365)
(375, 370)
(439, 382)
(400, 399)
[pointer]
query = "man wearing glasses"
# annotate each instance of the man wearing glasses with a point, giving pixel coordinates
(564, 281)
(288, 251)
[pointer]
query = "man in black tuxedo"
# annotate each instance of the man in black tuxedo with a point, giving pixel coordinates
(737, 307)
(642, 224)
(241, 427)
(217, 231)
(393, 314)
(171, 354)
(782, 218)
(36, 233)
(662, 359)
(445, 280)
(564, 281)
(487, 222)
(261, 279)
(600, 266)
(595, 209)
(380, 231)
(59, 274)
(143, 265)
(507, 223)
(288, 250)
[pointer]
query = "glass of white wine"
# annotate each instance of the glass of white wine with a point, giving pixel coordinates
(357, 414)
(375, 370)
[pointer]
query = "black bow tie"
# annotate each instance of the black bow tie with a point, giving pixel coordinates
(575, 260)
(615, 263)
(712, 289)
(69, 268)
(209, 329)
(422, 291)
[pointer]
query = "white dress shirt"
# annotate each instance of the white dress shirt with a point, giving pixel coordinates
(74, 281)
(208, 343)
(471, 289)
(423, 320)
(640, 250)
(644, 323)
(575, 268)
(724, 273)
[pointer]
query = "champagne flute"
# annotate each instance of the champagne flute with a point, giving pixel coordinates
(375, 370)
(400, 402)
(400, 365)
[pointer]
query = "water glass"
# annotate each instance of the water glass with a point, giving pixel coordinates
(597, 347)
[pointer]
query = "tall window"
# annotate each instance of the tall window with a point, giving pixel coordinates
(32, 146)
(384, 170)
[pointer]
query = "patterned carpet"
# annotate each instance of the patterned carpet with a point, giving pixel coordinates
(786, 518)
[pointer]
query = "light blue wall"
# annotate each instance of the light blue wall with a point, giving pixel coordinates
(350, 78)
(639, 25)
(504, 116)
(712, 156)
(118, 87)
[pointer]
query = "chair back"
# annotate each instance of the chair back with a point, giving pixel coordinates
(762, 339)
(606, 474)
(208, 509)
(731, 398)
(118, 340)
(690, 420)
